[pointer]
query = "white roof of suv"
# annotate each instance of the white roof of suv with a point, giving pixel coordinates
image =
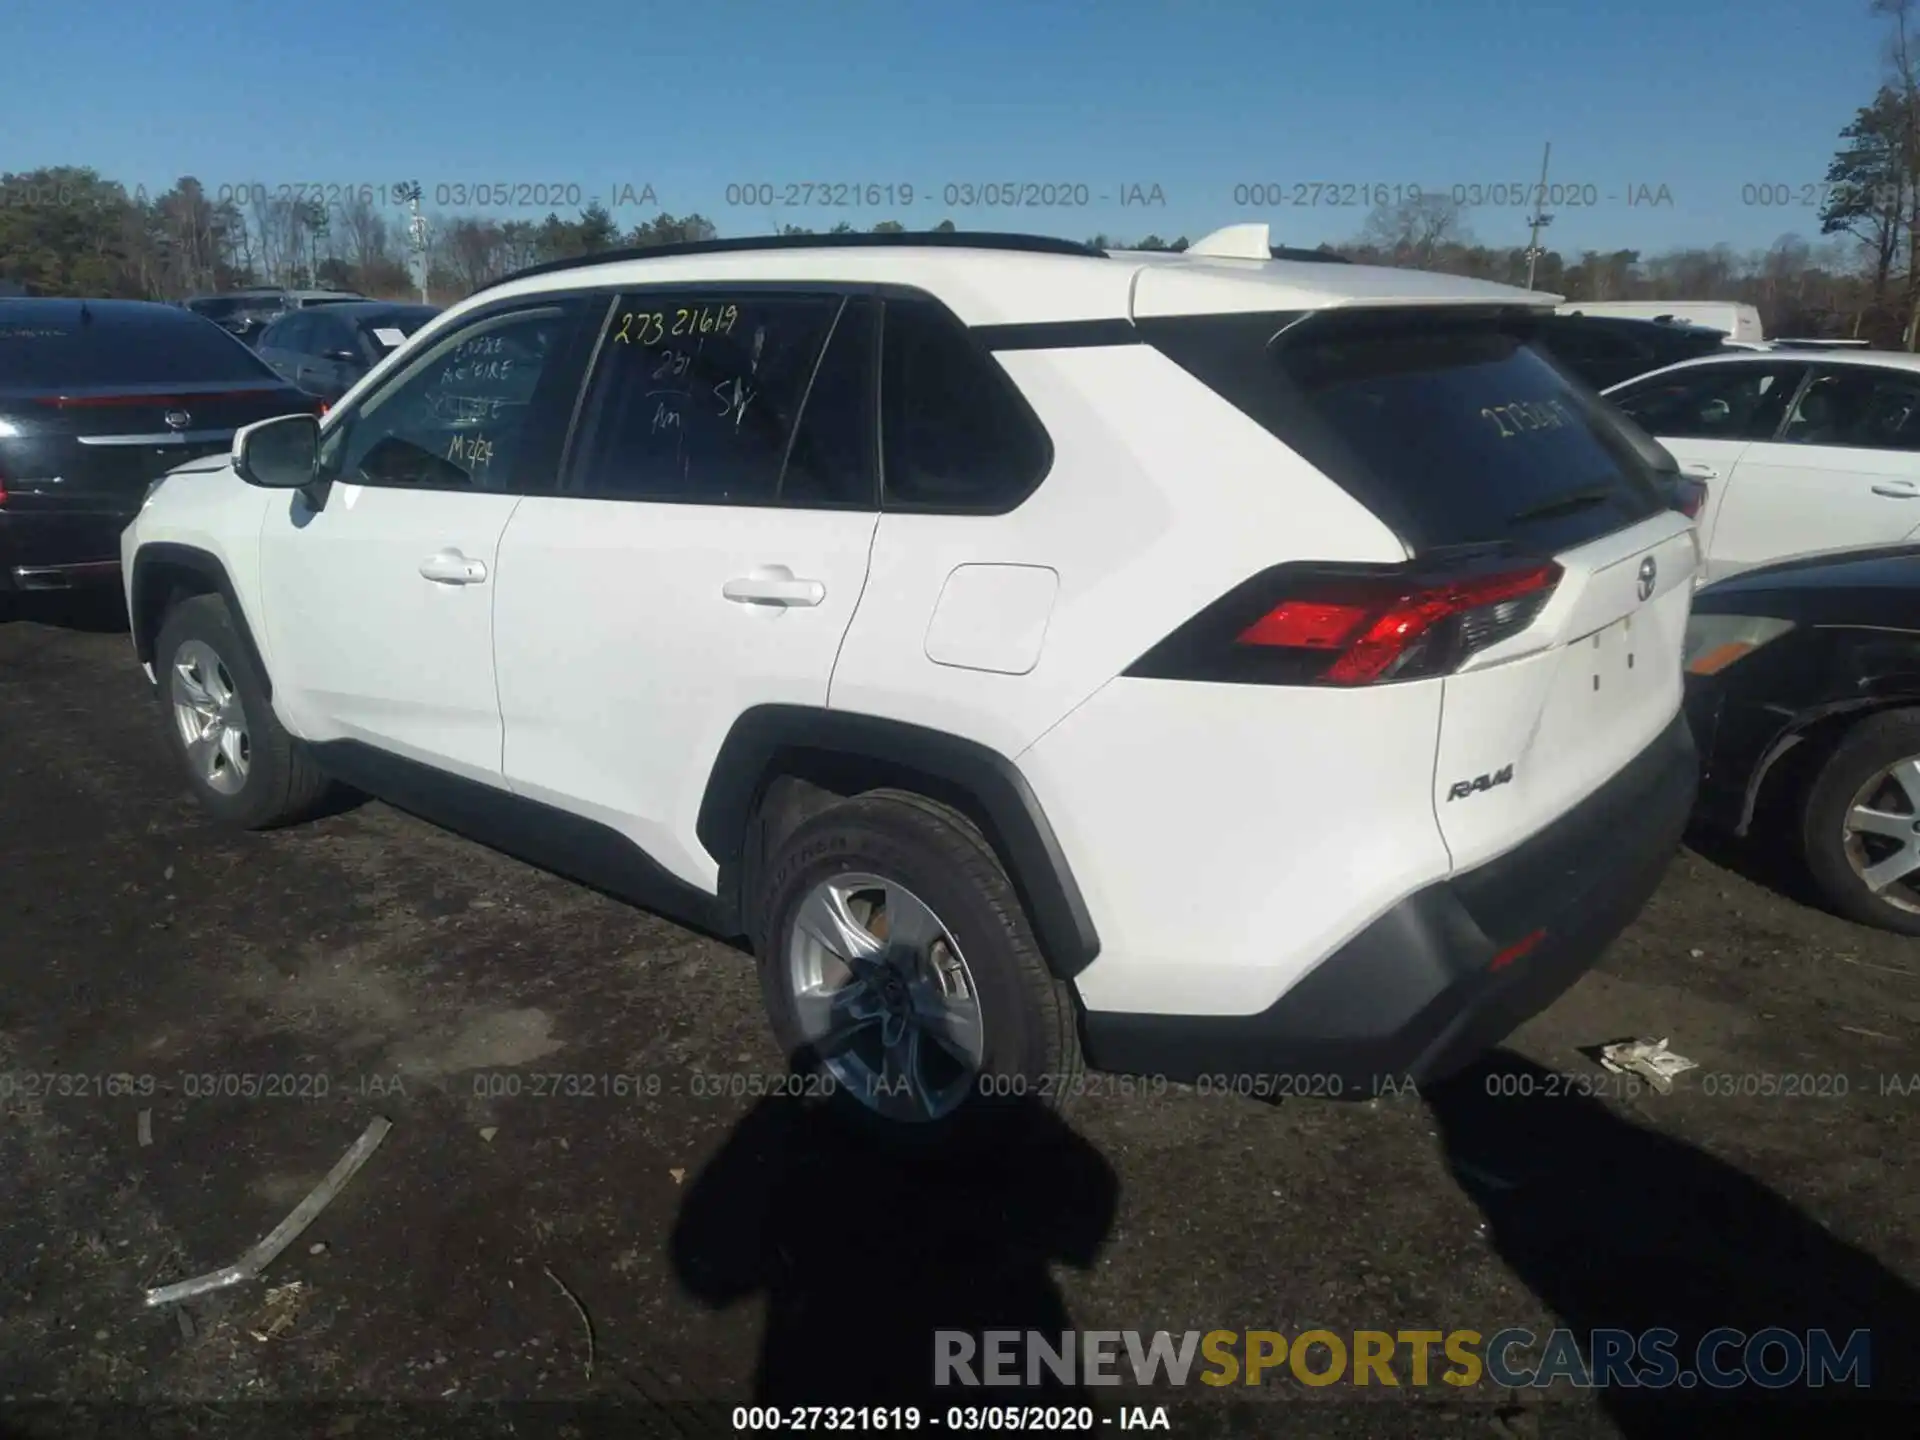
(1885, 359)
(996, 281)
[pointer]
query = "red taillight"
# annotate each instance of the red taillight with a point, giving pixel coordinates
(1306, 625)
(1375, 633)
(1354, 625)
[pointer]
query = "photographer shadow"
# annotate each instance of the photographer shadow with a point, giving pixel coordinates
(863, 1255)
(1614, 1225)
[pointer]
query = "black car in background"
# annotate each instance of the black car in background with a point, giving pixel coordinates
(245, 313)
(1603, 350)
(1803, 693)
(326, 349)
(99, 398)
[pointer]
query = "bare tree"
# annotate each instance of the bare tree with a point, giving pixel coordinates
(1415, 231)
(365, 236)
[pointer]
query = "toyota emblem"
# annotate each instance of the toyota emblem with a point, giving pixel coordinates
(1648, 570)
(177, 419)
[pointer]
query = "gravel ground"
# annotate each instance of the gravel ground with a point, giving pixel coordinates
(530, 1255)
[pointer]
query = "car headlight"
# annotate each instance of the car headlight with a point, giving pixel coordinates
(1716, 641)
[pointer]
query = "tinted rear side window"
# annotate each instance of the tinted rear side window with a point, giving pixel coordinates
(1454, 431)
(956, 432)
(66, 353)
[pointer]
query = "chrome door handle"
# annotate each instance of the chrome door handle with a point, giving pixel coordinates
(753, 590)
(1700, 472)
(450, 567)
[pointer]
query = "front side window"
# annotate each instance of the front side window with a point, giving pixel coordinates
(280, 334)
(1737, 401)
(291, 332)
(696, 399)
(484, 409)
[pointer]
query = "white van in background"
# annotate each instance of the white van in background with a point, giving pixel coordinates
(1740, 322)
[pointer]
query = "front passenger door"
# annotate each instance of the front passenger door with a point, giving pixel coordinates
(1709, 415)
(378, 603)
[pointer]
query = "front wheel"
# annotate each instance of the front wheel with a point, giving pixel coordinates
(901, 976)
(242, 764)
(1861, 828)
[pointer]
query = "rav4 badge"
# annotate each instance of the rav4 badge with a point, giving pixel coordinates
(1463, 788)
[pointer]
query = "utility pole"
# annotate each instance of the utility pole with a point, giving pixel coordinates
(1540, 217)
(416, 236)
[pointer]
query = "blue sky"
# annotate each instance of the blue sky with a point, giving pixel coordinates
(1703, 97)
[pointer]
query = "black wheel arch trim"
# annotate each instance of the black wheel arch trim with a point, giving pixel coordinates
(1794, 732)
(770, 740)
(208, 567)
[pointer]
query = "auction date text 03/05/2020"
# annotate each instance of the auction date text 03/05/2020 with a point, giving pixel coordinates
(535, 195)
(954, 195)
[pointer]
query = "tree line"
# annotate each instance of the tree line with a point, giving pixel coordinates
(71, 231)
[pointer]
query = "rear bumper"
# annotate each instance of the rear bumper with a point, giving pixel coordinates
(59, 549)
(1418, 994)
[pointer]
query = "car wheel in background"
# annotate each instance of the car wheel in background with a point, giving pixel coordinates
(1861, 831)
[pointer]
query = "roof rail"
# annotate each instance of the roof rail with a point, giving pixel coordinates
(943, 239)
(1318, 257)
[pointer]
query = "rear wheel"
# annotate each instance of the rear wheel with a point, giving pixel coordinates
(242, 764)
(1861, 828)
(903, 980)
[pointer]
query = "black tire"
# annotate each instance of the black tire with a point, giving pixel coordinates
(1868, 749)
(283, 783)
(1031, 1065)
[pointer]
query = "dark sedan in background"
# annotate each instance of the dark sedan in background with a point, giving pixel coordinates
(99, 398)
(325, 350)
(1803, 691)
(246, 313)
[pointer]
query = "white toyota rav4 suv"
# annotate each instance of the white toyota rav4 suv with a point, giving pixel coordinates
(1186, 665)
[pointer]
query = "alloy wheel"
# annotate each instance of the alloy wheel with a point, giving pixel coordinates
(211, 720)
(884, 997)
(1882, 834)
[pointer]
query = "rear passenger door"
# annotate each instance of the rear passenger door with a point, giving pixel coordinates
(1843, 472)
(705, 553)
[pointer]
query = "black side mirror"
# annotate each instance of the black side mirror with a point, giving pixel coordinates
(278, 454)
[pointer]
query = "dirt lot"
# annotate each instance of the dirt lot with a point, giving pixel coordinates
(674, 1252)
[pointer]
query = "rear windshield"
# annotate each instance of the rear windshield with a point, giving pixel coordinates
(64, 353)
(1454, 431)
